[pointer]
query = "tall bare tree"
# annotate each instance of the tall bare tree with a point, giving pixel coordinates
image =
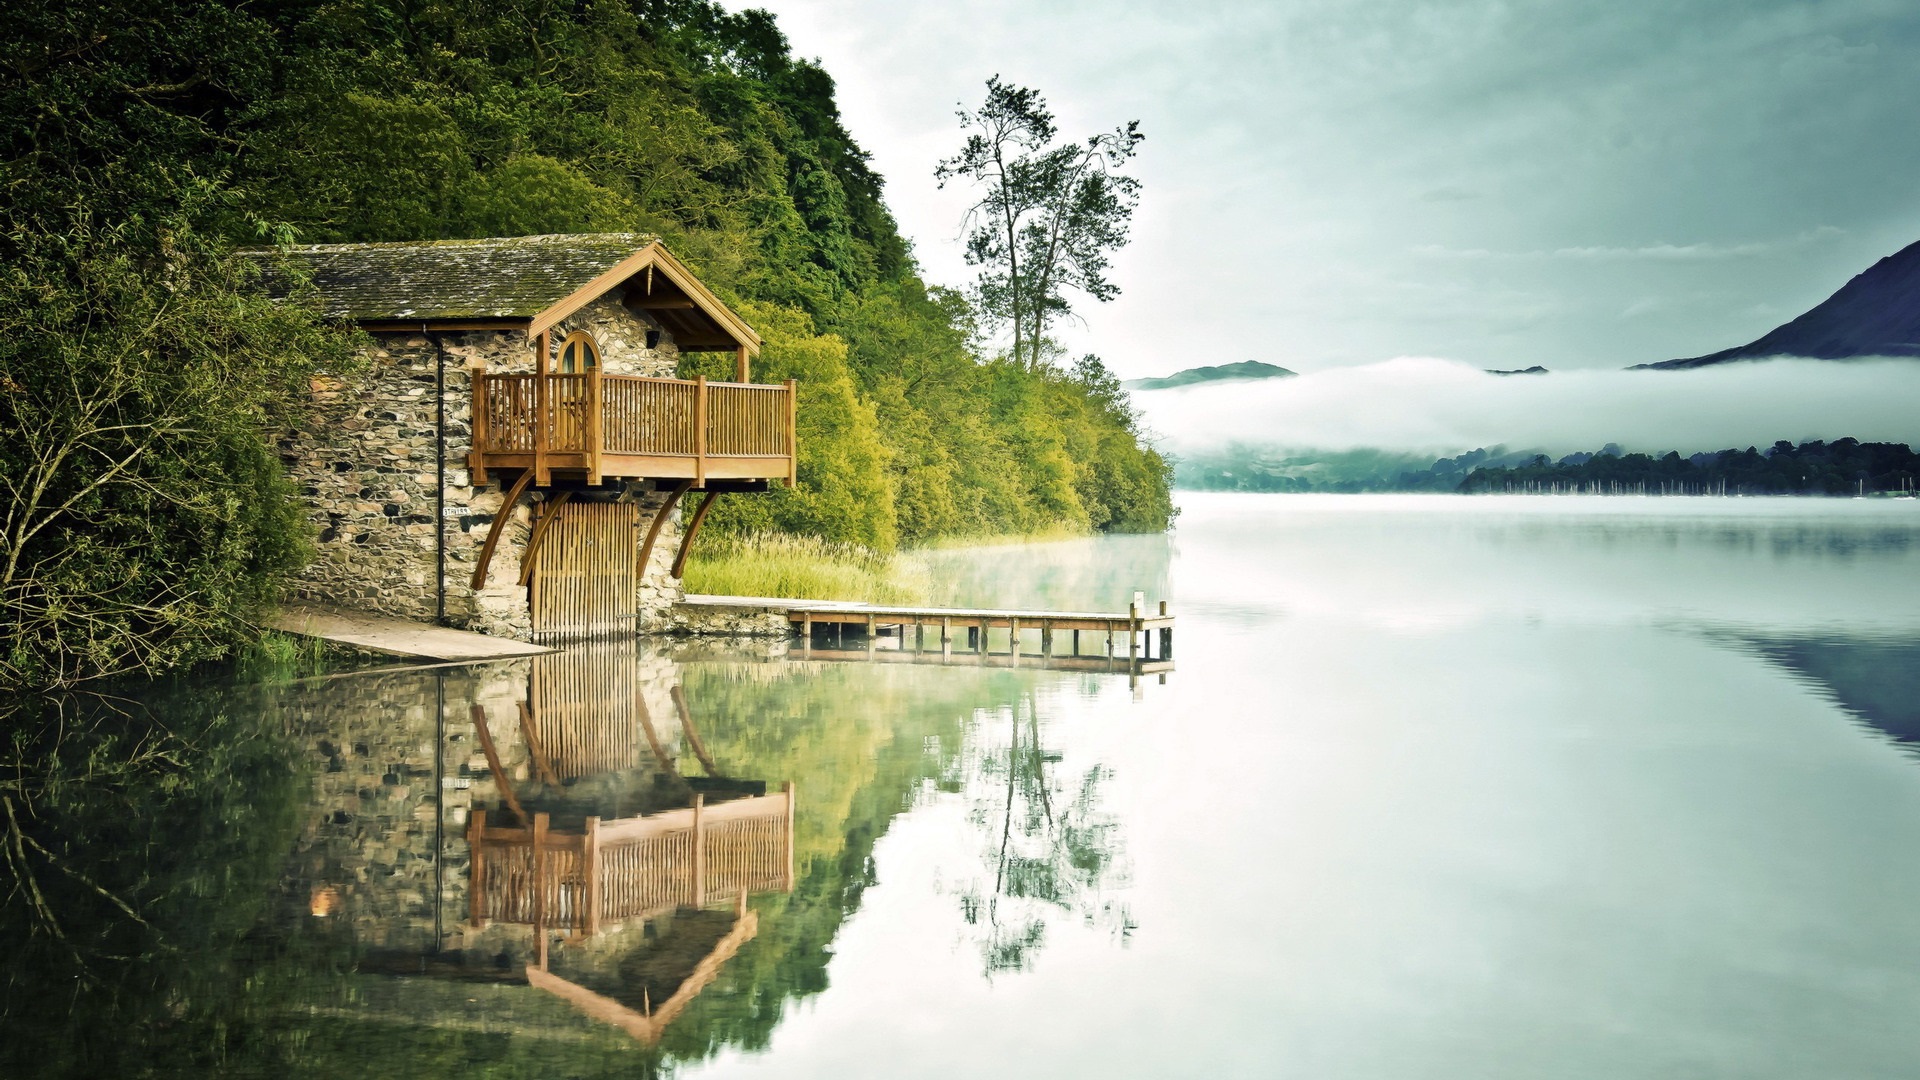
(1048, 216)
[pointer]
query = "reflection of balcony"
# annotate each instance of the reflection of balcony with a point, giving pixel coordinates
(629, 868)
(627, 426)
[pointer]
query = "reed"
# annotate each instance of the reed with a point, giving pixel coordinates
(802, 568)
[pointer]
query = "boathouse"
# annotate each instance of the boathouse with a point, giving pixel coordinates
(516, 459)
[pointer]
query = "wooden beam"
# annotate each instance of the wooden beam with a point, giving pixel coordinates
(534, 749)
(699, 433)
(478, 714)
(499, 525)
(477, 867)
(793, 432)
(540, 527)
(686, 539)
(541, 406)
(686, 728)
(740, 366)
(476, 457)
(594, 399)
(653, 531)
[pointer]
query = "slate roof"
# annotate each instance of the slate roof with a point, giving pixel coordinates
(513, 277)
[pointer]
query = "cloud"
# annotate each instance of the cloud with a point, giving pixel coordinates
(1655, 252)
(1423, 405)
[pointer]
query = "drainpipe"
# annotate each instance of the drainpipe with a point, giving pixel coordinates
(439, 476)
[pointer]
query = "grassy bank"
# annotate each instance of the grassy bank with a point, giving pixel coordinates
(809, 568)
(802, 567)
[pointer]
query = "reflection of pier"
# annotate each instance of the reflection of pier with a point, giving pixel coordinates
(880, 651)
(631, 868)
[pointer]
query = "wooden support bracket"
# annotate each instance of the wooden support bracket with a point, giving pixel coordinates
(653, 531)
(529, 558)
(686, 540)
(499, 525)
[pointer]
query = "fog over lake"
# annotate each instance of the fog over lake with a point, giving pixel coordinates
(1444, 407)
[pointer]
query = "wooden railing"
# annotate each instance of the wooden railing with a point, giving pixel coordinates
(625, 425)
(631, 868)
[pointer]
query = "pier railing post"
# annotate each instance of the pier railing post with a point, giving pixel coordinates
(699, 851)
(590, 867)
(477, 876)
(540, 888)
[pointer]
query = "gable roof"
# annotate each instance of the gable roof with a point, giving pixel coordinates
(532, 280)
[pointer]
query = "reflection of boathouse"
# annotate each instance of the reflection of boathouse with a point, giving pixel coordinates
(547, 857)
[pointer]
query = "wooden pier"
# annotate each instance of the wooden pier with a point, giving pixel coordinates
(1140, 635)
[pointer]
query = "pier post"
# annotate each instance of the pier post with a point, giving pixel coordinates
(1013, 640)
(873, 636)
(946, 638)
(1166, 635)
(1046, 640)
(806, 634)
(1133, 633)
(1076, 642)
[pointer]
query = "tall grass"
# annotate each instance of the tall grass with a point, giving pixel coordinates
(802, 568)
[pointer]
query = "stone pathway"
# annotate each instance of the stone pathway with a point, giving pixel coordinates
(383, 633)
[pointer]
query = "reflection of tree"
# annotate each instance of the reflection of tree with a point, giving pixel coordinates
(1054, 850)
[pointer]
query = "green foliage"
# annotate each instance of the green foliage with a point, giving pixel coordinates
(146, 515)
(196, 125)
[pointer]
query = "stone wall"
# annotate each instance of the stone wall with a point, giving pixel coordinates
(726, 620)
(366, 464)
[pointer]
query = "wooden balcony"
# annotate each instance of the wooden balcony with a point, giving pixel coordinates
(596, 426)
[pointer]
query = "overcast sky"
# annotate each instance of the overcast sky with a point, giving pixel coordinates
(1336, 182)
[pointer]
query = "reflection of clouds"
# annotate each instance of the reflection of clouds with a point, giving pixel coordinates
(1432, 564)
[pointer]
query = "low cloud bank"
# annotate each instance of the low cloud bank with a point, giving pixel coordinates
(1442, 407)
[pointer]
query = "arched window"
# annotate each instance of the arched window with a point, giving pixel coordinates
(578, 354)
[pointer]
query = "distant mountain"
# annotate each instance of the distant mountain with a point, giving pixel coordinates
(1875, 314)
(1245, 369)
(1534, 370)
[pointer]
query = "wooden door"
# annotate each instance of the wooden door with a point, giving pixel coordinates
(583, 582)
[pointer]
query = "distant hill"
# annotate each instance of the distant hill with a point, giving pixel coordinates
(1534, 370)
(1875, 314)
(1245, 369)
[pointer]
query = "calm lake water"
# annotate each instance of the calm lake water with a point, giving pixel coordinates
(1441, 787)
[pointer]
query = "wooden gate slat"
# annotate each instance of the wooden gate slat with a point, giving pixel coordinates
(583, 582)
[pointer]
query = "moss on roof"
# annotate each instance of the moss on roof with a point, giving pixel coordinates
(513, 277)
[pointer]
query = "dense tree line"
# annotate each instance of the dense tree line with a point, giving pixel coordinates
(141, 142)
(1841, 467)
